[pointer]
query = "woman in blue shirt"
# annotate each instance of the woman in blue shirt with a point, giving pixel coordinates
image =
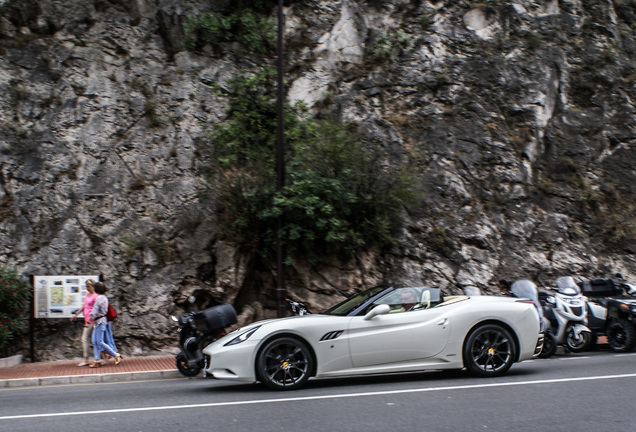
(98, 314)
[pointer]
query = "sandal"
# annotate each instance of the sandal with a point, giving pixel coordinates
(95, 364)
(82, 364)
(117, 359)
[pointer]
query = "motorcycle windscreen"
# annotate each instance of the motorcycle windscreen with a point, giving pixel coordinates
(527, 289)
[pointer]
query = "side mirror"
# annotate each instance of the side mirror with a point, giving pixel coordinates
(378, 310)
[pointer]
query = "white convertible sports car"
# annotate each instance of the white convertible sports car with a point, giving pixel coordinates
(380, 330)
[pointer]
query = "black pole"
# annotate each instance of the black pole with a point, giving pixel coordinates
(32, 321)
(281, 291)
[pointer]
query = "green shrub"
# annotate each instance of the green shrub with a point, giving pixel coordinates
(209, 28)
(340, 196)
(14, 305)
(426, 22)
(246, 26)
(389, 43)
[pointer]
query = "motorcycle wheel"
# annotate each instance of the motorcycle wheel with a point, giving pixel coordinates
(549, 346)
(182, 365)
(576, 346)
(621, 335)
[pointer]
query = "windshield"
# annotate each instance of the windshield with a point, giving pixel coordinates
(567, 286)
(399, 300)
(352, 303)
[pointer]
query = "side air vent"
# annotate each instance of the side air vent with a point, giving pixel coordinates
(332, 335)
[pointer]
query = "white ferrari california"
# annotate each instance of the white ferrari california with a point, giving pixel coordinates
(381, 330)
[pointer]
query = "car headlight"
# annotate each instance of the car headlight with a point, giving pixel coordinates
(243, 336)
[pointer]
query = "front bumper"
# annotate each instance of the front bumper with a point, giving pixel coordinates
(235, 362)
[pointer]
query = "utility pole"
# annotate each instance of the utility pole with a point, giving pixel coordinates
(281, 290)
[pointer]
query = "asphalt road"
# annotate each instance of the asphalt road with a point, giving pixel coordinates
(585, 392)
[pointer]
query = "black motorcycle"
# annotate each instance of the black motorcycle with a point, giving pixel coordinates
(298, 308)
(612, 311)
(196, 331)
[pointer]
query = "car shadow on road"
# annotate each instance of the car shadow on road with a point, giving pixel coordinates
(360, 382)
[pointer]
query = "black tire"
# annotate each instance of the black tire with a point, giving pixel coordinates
(578, 345)
(489, 351)
(549, 346)
(285, 363)
(182, 365)
(621, 335)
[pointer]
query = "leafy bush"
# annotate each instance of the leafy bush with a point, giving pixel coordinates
(244, 25)
(14, 301)
(389, 43)
(340, 196)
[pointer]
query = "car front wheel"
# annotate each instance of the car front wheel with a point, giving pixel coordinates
(284, 364)
(489, 351)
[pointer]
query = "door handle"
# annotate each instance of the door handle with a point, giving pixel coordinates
(443, 322)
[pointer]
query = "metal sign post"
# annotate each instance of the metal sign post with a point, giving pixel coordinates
(281, 291)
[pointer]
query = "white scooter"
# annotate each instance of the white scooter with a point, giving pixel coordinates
(567, 313)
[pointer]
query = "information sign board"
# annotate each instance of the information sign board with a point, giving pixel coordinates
(59, 296)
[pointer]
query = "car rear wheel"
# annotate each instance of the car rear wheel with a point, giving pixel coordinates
(621, 335)
(284, 364)
(489, 351)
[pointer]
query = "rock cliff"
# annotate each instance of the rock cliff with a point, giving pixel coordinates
(520, 113)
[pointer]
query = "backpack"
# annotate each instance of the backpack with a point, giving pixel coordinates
(111, 315)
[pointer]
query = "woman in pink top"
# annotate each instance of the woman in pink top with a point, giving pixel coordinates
(87, 307)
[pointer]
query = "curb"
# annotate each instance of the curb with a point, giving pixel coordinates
(10, 361)
(90, 379)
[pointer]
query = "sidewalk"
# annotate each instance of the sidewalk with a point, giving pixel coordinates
(67, 372)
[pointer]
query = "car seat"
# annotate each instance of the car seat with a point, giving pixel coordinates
(426, 299)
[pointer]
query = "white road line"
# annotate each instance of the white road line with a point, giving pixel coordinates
(309, 398)
(573, 358)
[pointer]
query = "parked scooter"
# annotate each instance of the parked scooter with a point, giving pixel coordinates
(566, 310)
(524, 288)
(196, 331)
(298, 308)
(596, 318)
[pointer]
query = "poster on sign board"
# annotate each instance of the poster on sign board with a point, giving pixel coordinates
(59, 296)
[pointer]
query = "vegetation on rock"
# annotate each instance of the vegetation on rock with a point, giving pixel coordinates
(242, 22)
(341, 194)
(14, 305)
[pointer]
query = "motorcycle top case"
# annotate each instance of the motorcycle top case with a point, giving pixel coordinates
(216, 318)
(600, 288)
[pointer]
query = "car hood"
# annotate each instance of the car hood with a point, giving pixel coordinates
(268, 324)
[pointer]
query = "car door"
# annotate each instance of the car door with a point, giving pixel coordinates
(398, 337)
